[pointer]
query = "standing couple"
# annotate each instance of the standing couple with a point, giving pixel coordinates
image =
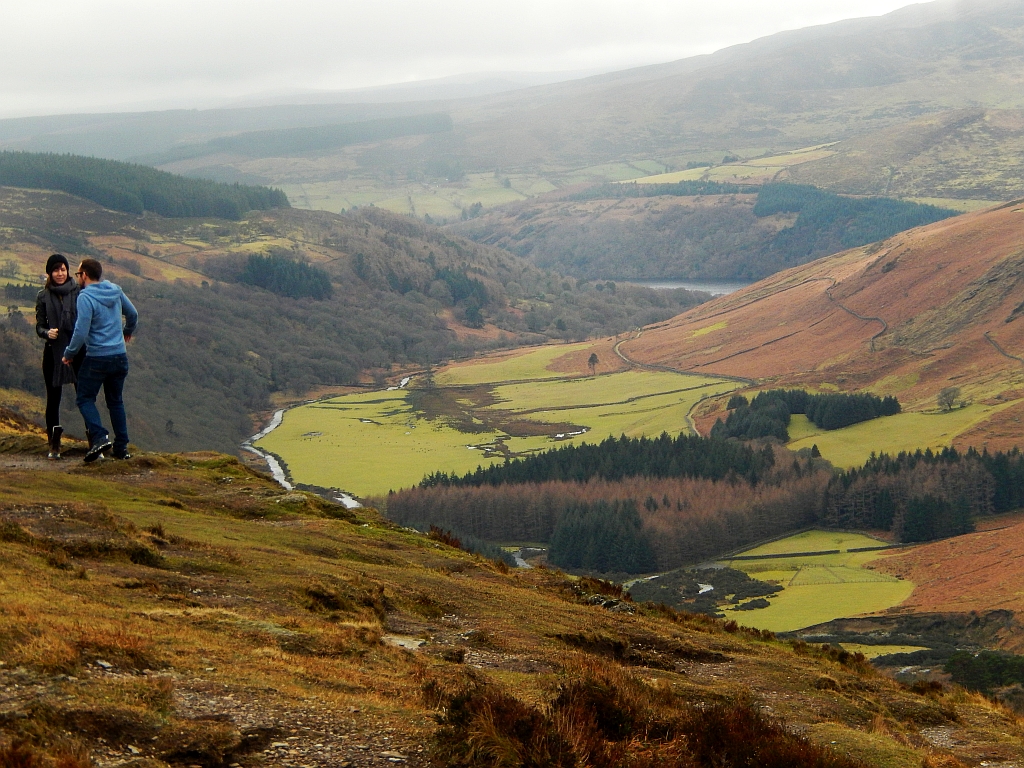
(80, 321)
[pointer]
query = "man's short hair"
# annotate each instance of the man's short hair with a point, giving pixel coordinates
(92, 268)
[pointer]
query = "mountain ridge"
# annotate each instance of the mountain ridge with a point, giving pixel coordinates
(926, 309)
(787, 90)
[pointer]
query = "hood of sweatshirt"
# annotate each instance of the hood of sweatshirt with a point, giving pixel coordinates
(106, 293)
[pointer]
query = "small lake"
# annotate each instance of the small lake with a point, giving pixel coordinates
(718, 288)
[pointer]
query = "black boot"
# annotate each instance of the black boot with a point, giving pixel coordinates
(55, 435)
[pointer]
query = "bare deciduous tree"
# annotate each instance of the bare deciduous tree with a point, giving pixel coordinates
(947, 397)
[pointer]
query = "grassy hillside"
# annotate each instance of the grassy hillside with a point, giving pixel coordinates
(178, 609)
(130, 135)
(214, 348)
(290, 142)
(792, 90)
(931, 308)
(134, 188)
(964, 154)
(979, 570)
(690, 229)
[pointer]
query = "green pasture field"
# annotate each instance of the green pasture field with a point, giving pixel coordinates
(804, 606)
(874, 651)
(690, 174)
(446, 200)
(611, 172)
(818, 588)
(610, 389)
(753, 168)
(852, 446)
(650, 413)
(956, 204)
(816, 541)
(648, 166)
(509, 366)
(632, 403)
(371, 442)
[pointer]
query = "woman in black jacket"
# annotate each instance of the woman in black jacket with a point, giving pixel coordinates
(56, 312)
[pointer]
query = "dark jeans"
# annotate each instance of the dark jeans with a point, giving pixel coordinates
(108, 372)
(53, 394)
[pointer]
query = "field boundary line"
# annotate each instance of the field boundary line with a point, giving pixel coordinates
(999, 349)
(669, 369)
(885, 325)
(627, 401)
(691, 424)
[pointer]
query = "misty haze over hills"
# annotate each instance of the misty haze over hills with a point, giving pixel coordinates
(461, 86)
(790, 89)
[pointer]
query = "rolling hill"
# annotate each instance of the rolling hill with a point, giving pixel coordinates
(976, 572)
(930, 308)
(218, 343)
(791, 89)
(796, 89)
(179, 609)
(862, 77)
(961, 154)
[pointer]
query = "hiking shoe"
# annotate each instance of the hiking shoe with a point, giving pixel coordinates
(52, 455)
(122, 456)
(97, 450)
(55, 435)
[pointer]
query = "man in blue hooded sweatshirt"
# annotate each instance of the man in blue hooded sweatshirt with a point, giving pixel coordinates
(100, 307)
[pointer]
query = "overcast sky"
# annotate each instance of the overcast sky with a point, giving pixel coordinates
(96, 55)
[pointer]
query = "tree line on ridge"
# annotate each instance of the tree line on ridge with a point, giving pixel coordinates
(135, 188)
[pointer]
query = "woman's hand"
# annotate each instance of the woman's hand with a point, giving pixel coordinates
(52, 333)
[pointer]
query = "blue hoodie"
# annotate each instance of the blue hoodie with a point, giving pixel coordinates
(100, 306)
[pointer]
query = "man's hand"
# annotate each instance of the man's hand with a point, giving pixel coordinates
(127, 338)
(52, 333)
(65, 361)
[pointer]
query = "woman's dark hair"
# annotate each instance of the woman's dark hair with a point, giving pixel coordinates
(52, 263)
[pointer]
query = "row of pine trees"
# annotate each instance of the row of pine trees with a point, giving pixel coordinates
(579, 505)
(768, 414)
(135, 188)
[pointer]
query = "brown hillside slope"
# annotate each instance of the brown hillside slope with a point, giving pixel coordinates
(181, 610)
(976, 572)
(929, 308)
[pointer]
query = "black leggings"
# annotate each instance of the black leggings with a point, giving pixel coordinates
(53, 394)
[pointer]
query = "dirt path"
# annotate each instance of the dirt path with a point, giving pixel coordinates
(20, 461)
(690, 422)
(1000, 350)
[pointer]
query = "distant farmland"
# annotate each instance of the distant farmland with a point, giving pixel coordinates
(511, 405)
(818, 588)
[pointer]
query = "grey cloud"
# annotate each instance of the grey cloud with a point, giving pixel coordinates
(99, 54)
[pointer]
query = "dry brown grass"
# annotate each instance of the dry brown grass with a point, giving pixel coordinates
(975, 572)
(293, 610)
(601, 716)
